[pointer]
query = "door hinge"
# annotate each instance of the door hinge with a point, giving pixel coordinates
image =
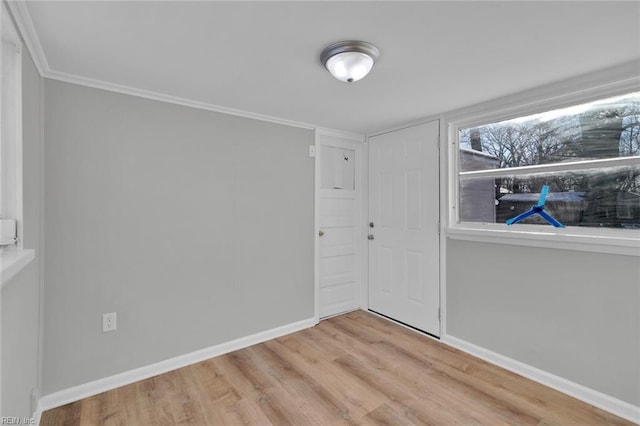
(439, 314)
(438, 228)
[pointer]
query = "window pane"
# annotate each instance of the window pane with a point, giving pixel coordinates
(603, 197)
(608, 128)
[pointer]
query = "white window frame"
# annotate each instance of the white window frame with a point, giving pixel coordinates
(13, 258)
(564, 94)
(11, 136)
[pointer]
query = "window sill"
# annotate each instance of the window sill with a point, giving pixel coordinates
(13, 261)
(548, 237)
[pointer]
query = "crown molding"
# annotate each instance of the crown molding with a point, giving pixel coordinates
(147, 94)
(29, 35)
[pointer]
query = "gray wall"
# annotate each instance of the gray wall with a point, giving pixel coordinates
(573, 314)
(21, 296)
(195, 227)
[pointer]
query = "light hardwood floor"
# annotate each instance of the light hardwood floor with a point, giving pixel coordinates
(352, 369)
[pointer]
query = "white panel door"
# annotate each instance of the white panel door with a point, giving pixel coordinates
(339, 198)
(404, 210)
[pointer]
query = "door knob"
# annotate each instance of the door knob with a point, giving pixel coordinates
(321, 233)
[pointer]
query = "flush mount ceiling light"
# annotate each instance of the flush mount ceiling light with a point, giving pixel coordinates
(350, 60)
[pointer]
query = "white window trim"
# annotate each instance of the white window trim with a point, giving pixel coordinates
(608, 83)
(13, 258)
(552, 167)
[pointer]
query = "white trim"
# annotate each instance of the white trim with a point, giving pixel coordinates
(12, 148)
(156, 96)
(571, 238)
(25, 25)
(13, 261)
(41, 253)
(30, 36)
(85, 390)
(316, 229)
(19, 165)
(554, 167)
(40, 248)
(444, 207)
(37, 415)
(598, 399)
(364, 229)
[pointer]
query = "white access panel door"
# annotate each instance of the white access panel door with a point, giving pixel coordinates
(339, 198)
(404, 209)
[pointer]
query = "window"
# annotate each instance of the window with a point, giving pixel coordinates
(10, 134)
(13, 257)
(587, 154)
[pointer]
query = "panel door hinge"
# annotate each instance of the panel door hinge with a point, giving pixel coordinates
(439, 314)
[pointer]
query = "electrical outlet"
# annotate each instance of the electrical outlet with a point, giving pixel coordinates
(109, 322)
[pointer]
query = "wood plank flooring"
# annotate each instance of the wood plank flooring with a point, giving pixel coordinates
(352, 369)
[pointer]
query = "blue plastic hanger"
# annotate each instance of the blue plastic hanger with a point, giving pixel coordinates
(537, 209)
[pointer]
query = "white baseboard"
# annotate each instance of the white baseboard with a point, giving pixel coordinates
(37, 415)
(598, 399)
(85, 390)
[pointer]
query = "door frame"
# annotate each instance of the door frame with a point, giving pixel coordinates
(442, 199)
(361, 179)
(364, 175)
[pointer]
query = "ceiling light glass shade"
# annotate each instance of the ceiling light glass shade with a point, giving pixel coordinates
(349, 61)
(349, 66)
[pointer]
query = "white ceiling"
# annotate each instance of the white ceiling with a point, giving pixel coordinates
(262, 57)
